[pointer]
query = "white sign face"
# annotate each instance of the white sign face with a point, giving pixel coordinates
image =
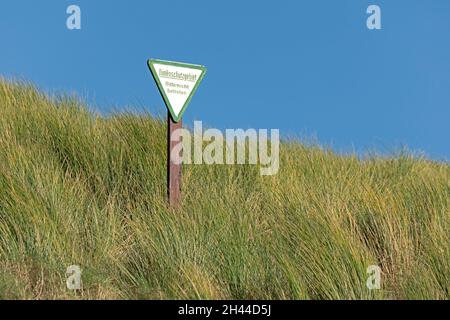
(177, 83)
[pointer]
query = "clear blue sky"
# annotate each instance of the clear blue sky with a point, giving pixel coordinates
(309, 68)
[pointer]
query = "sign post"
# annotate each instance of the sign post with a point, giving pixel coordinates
(173, 169)
(177, 83)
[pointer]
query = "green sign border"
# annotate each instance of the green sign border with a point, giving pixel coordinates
(150, 63)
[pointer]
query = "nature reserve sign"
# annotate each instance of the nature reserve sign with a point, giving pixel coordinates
(177, 83)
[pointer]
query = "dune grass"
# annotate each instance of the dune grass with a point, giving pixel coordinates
(79, 188)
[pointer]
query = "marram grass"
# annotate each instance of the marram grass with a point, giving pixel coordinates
(81, 189)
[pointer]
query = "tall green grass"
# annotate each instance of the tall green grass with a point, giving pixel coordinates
(79, 188)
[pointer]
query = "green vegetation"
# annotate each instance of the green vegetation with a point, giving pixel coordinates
(79, 188)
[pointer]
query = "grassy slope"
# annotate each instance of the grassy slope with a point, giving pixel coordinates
(76, 188)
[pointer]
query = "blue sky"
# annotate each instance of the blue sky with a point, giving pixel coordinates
(309, 68)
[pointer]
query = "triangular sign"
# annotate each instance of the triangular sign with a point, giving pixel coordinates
(177, 83)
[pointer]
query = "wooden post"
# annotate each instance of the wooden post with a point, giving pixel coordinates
(173, 170)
